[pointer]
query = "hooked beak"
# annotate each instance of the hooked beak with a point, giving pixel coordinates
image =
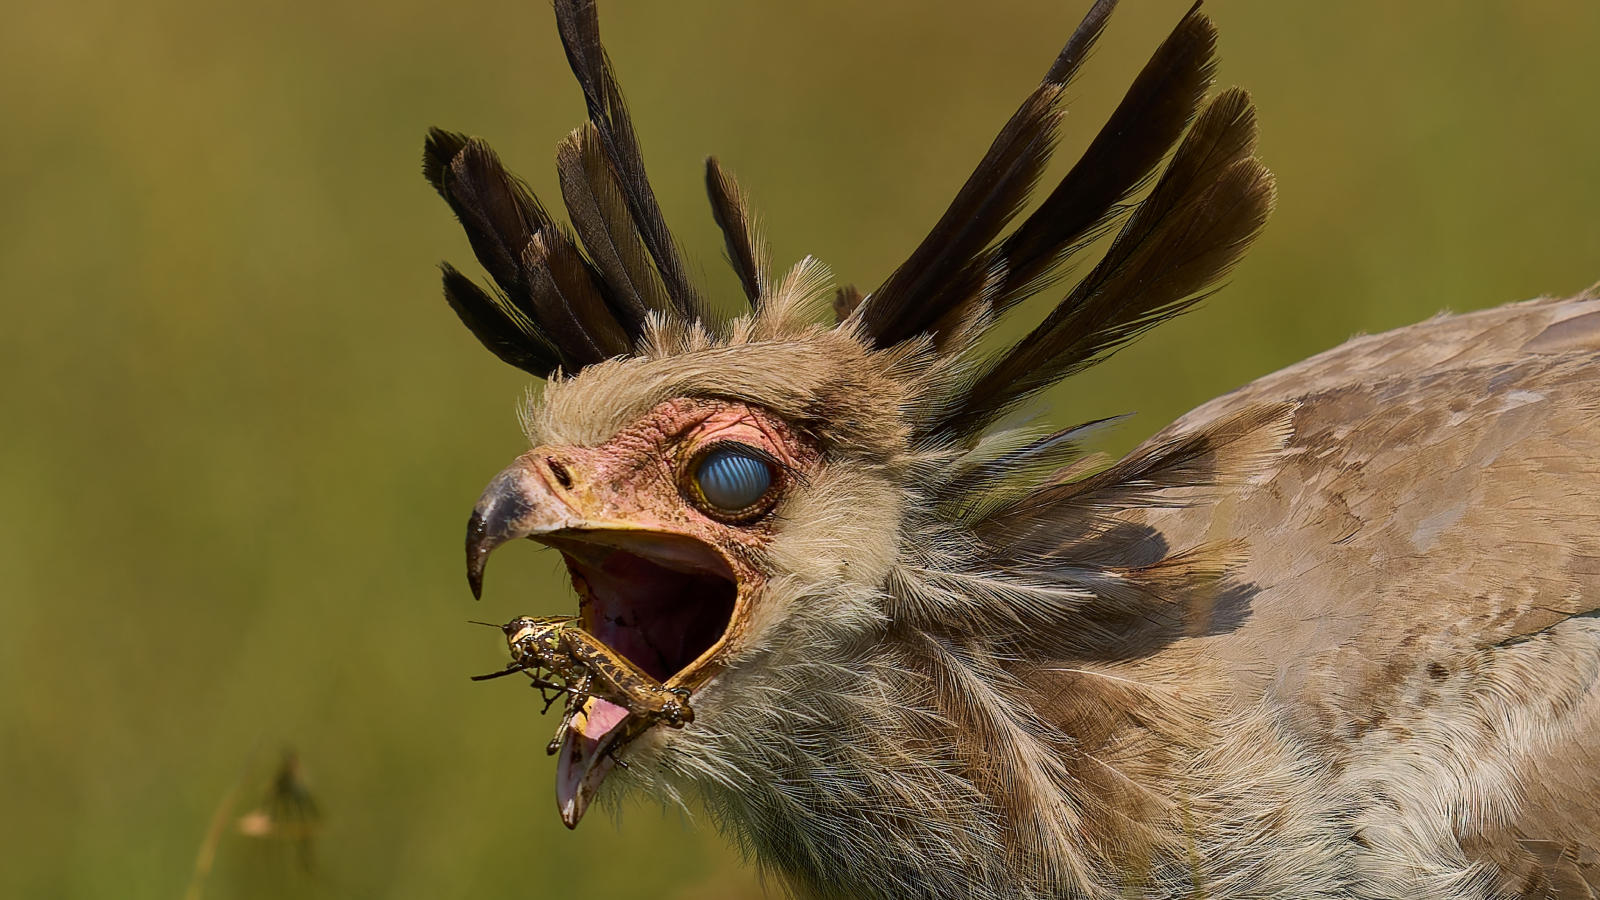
(526, 500)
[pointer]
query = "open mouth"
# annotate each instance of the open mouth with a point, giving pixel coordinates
(663, 601)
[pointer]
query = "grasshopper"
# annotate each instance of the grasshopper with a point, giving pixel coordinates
(556, 648)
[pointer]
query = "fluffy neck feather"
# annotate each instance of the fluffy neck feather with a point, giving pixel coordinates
(899, 731)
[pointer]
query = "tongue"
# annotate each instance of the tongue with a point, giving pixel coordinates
(584, 761)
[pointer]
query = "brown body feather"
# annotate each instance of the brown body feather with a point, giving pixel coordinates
(1423, 608)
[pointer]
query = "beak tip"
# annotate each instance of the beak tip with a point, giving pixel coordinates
(512, 507)
(478, 547)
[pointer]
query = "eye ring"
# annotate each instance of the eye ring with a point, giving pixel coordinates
(732, 481)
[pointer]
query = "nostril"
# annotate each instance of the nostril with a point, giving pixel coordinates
(562, 476)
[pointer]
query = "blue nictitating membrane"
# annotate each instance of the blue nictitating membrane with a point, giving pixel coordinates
(731, 480)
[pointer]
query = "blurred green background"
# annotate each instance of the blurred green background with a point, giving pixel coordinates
(240, 432)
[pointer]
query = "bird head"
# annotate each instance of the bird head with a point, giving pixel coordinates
(796, 512)
(700, 499)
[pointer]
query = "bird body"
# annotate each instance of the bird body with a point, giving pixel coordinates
(1331, 635)
(1423, 620)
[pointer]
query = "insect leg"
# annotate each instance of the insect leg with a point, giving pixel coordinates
(575, 697)
(549, 698)
(511, 668)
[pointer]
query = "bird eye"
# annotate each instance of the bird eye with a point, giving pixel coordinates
(732, 479)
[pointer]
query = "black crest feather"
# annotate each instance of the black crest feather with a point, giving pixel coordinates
(562, 307)
(948, 270)
(579, 24)
(599, 213)
(501, 327)
(1201, 216)
(733, 215)
(544, 277)
(1145, 125)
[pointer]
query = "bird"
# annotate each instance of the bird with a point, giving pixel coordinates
(1333, 634)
